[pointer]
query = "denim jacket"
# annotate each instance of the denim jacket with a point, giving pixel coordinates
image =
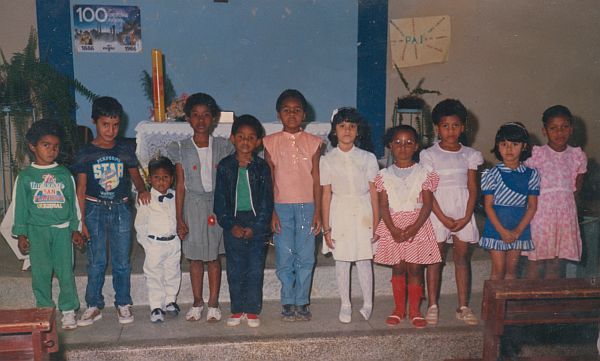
(261, 193)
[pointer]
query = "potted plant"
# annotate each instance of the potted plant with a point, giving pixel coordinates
(30, 89)
(413, 110)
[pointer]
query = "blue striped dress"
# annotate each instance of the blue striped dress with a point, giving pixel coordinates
(510, 188)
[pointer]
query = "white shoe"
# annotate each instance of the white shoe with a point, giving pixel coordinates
(124, 313)
(157, 315)
(252, 319)
(465, 314)
(366, 311)
(91, 315)
(235, 319)
(432, 315)
(195, 313)
(213, 314)
(346, 314)
(68, 320)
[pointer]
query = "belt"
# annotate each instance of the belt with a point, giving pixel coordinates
(106, 202)
(168, 238)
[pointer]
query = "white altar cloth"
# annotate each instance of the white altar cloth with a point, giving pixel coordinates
(152, 138)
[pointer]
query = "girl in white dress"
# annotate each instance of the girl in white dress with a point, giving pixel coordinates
(453, 205)
(350, 209)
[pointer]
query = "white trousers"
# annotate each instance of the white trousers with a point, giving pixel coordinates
(162, 269)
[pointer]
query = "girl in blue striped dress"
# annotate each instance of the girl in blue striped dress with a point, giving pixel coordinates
(510, 192)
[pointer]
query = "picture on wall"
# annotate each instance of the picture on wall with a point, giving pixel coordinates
(418, 41)
(107, 29)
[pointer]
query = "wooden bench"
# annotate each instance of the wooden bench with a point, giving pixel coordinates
(28, 334)
(528, 302)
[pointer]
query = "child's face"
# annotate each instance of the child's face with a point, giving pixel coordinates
(510, 152)
(161, 180)
(107, 128)
(45, 150)
(450, 128)
(200, 119)
(403, 147)
(291, 114)
(558, 130)
(245, 140)
(346, 133)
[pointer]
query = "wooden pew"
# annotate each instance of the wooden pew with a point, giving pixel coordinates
(528, 302)
(28, 334)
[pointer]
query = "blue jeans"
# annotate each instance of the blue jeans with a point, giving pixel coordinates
(245, 267)
(295, 252)
(113, 223)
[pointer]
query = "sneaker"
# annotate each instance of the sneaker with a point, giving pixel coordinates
(157, 315)
(195, 313)
(303, 313)
(345, 314)
(173, 309)
(253, 320)
(91, 315)
(213, 314)
(395, 318)
(235, 319)
(68, 320)
(124, 313)
(418, 321)
(288, 313)
(465, 314)
(432, 315)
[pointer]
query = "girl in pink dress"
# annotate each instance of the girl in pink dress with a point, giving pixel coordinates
(555, 229)
(407, 239)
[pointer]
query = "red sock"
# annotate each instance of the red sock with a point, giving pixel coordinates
(399, 291)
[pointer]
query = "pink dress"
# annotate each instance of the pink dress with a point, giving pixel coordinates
(404, 196)
(554, 228)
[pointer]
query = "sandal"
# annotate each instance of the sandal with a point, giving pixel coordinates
(394, 319)
(467, 316)
(418, 322)
(432, 315)
(195, 313)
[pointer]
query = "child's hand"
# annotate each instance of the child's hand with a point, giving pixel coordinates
(448, 222)
(460, 224)
(507, 236)
(237, 231)
(248, 233)
(77, 239)
(85, 233)
(316, 224)
(275, 224)
(144, 198)
(516, 233)
(410, 232)
(182, 230)
(23, 244)
(329, 241)
(397, 234)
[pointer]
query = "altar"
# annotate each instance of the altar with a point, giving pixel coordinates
(152, 138)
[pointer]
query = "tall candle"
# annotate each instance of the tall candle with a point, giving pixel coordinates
(158, 90)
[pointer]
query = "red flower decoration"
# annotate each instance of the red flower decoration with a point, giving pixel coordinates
(211, 220)
(194, 167)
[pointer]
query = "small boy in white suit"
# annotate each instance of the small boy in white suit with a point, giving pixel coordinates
(156, 229)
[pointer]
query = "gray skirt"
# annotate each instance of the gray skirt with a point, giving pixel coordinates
(204, 241)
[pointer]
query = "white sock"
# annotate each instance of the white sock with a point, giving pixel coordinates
(342, 272)
(365, 278)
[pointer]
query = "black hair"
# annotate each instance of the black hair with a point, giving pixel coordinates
(161, 163)
(513, 132)
(106, 107)
(351, 115)
(557, 111)
(389, 135)
(42, 128)
(449, 107)
(250, 121)
(202, 99)
(290, 93)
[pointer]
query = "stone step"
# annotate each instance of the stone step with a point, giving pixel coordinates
(16, 290)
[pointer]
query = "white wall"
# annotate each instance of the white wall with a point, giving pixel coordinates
(510, 60)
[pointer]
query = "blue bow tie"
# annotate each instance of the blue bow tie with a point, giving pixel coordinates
(168, 195)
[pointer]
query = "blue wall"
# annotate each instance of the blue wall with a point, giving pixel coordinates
(244, 53)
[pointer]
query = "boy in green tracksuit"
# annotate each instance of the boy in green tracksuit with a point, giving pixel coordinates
(47, 220)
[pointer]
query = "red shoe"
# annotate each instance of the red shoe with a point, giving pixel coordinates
(253, 320)
(395, 318)
(235, 319)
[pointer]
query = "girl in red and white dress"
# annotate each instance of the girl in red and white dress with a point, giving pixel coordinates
(407, 239)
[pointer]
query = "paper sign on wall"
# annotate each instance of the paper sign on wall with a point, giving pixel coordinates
(107, 28)
(418, 41)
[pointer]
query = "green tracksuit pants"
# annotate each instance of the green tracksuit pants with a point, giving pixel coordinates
(51, 250)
